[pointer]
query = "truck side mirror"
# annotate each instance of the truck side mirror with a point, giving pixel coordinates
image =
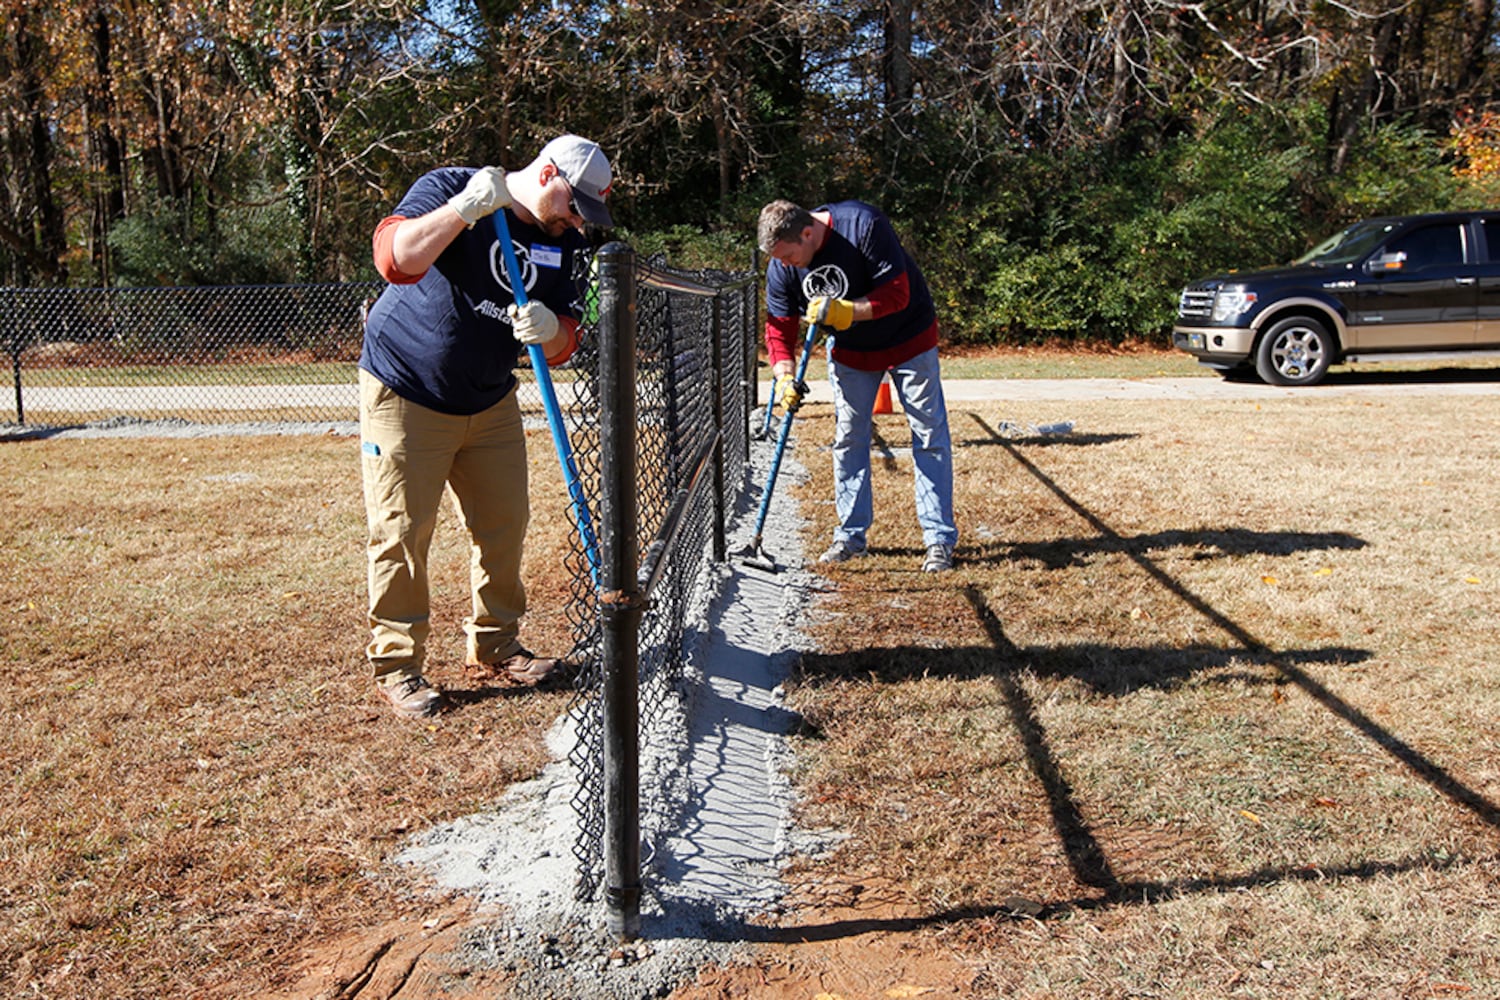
(1384, 263)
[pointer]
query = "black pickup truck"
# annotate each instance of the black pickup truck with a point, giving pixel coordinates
(1414, 287)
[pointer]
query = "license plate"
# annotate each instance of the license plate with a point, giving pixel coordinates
(1195, 341)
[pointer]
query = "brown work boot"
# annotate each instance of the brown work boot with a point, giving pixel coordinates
(520, 667)
(413, 697)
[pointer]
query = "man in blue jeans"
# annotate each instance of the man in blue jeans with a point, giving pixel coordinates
(842, 266)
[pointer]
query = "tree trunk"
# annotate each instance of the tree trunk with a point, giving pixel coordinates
(900, 86)
(107, 152)
(51, 239)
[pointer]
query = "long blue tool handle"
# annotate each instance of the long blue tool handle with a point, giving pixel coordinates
(786, 429)
(549, 405)
(770, 405)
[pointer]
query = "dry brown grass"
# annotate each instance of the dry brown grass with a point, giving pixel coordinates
(1213, 685)
(201, 782)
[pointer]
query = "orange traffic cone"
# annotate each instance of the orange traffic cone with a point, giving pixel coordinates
(883, 397)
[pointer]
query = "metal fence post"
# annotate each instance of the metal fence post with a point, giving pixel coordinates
(752, 345)
(716, 334)
(11, 317)
(620, 600)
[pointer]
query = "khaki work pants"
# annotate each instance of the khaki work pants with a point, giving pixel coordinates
(411, 456)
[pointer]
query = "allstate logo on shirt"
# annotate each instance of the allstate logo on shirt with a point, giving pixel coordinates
(523, 257)
(829, 280)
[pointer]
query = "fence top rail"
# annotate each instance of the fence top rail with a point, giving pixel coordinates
(655, 276)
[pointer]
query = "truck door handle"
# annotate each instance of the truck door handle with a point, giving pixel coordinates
(1463, 281)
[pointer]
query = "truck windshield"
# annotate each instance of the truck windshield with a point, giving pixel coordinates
(1348, 247)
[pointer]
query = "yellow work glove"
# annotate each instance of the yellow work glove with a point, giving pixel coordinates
(787, 391)
(825, 311)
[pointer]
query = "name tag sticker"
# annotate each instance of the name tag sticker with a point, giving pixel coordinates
(543, 256)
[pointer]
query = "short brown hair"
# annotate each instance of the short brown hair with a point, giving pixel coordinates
(781, 221)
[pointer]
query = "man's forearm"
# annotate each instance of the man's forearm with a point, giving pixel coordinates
(419, 242)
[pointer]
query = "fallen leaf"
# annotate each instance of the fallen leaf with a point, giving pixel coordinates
(903, 992)
(1250, 815)
(1268, 579)
(1471, 579)
(1324, 800)
(1324, 571)
(291, 594)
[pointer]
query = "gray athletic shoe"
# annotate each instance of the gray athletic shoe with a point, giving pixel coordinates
(842, 551)
(939, 559)
(413, 697)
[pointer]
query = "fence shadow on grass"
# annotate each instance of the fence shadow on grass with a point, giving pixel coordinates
(1210, 543)
(1111, 671)
(1086, 856)
(1413, 759)
(1118, 894)
(1072, 439)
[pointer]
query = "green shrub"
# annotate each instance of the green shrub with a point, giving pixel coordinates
(169, 244)
(1095, 244)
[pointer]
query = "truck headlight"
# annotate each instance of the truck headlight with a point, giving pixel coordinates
(1232, 302)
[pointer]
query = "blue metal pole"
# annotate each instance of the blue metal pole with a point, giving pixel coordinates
(550, 406)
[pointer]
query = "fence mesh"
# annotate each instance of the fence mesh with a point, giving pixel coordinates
(676, 397)
(288, 354)
(214, 355)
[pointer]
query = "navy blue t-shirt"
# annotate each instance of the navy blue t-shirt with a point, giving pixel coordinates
(445, 342)
(860, 254)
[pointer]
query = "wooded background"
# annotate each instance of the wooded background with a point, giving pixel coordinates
(1059, 167)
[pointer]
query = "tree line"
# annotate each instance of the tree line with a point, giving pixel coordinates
(1060, 166)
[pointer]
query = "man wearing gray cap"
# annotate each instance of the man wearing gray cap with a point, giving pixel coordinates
(438, 409)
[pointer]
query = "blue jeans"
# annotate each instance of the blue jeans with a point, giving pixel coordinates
(920, 389)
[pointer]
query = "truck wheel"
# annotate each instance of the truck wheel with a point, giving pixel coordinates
(1294, 351)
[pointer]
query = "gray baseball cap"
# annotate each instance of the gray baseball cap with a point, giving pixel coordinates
(586, 169)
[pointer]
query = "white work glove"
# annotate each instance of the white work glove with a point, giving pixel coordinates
(533, 323)
(485, 193)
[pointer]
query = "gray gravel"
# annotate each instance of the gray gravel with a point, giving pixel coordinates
(714, 841)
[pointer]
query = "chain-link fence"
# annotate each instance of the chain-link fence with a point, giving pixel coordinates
(208, 355)
(671, 451)
(288, 354)
(212, 355)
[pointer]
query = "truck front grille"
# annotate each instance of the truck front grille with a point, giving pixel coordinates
(1196, 303)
